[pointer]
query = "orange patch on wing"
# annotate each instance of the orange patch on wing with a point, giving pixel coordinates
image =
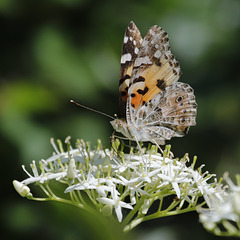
(136, 100)
(153, 74)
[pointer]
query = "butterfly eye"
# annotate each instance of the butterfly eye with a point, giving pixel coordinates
(120, 124)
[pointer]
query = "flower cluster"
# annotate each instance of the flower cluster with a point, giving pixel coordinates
(123, 185)
(222, 217)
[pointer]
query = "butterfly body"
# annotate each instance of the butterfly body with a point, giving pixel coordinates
(153, 105)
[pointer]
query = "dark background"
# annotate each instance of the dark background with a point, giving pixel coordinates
(56, 50)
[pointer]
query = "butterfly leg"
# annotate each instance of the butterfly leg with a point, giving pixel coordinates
(122, 143)
(112, 137)
(140, 149)
(119, 137)
(158, 146)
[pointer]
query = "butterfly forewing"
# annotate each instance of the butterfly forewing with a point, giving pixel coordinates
(131, 44)
(154, 69)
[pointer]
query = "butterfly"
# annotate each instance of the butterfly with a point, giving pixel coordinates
(153, 105)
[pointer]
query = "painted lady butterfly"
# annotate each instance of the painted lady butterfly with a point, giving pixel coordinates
(153, 105)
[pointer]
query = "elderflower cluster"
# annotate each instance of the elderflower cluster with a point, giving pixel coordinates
(122, 185)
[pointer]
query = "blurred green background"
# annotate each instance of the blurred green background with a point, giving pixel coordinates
(56, 50)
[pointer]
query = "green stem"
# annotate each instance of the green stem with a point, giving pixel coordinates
(167, 212)
(45, 190)
(133, 212)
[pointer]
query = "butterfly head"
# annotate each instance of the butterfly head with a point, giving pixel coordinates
(120, 125)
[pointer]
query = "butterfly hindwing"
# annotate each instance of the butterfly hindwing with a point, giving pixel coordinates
(168, 114)
(131, 45)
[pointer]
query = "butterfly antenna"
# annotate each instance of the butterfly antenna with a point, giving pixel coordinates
(93, 110)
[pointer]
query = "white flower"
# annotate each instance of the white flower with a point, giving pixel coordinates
(172, 175)
(134, 189)
(22, 189)
(145, 206)
(235, 194)
(71, 172)
(206, 189)
(220, 210)
(144, 176)
(91, 183)
(222, 206)
(113, 180)
(116, 202)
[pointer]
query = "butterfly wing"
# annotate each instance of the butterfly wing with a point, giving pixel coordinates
(155, 105)
(131, 45)
(169, 114)
(154, 69)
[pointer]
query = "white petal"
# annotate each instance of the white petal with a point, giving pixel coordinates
(176, 189)
(118, 211)
(125, 205)
(145, 206)
(106, 200)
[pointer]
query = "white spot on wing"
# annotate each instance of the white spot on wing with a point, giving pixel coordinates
(136, 50)
(126, 57)
(127, 82)
(142, 60)
(157, 54)
(134, 42)
(125, 39)
(152, 32)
